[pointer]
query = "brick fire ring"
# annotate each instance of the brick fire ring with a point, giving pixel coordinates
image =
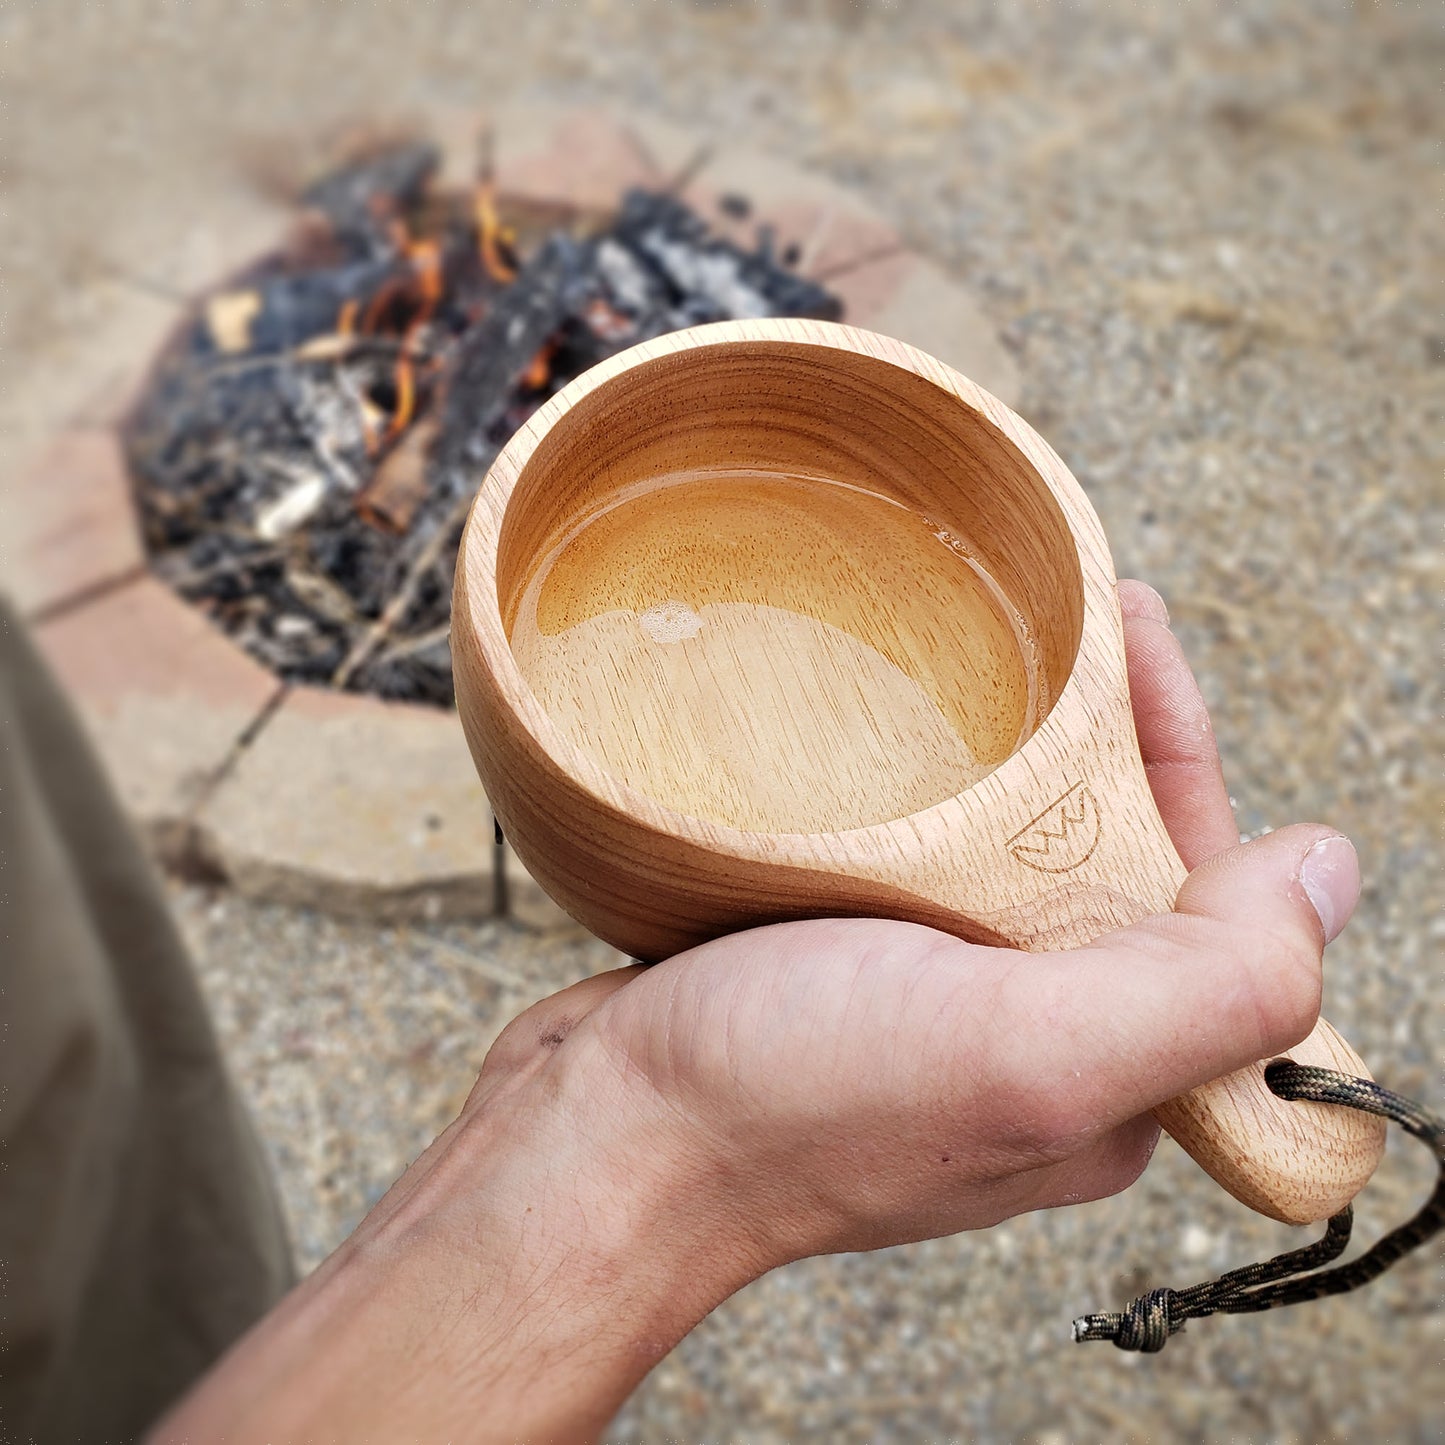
(341, 801)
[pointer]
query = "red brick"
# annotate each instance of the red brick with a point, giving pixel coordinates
(69, 524)
(918, 302)
(237, 227)
(165, 695)
(830, 226)
(109, 404)
(357, 806)
(125, 327)
(582, 160)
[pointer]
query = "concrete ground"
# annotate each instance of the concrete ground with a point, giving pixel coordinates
(1212, 242)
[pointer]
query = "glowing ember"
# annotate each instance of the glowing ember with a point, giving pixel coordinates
(311, 439)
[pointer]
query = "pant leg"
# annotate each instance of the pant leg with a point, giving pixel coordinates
(139, 1232)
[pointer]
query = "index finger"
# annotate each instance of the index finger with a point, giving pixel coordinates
(1176, 739)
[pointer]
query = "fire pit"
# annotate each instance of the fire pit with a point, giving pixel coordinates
(305, 453)
(267, 678)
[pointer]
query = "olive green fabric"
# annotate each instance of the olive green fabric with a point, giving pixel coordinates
(139, 1233)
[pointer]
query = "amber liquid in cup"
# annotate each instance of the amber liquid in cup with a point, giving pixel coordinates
(819, 657)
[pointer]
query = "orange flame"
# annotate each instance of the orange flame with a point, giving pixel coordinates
(540, 367)
(426, 260)
(405, 382)
(492, 235)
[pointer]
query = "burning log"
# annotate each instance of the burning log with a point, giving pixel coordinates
(494, 356)
(308, 444)
(360, 202)
(399, 485)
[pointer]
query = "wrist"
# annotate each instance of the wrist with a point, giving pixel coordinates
(594, 1228)
(517, 1282)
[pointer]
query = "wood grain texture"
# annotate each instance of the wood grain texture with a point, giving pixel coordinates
(737, 612)
(1056, 845)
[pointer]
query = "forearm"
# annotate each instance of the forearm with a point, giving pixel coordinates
(517, 1283)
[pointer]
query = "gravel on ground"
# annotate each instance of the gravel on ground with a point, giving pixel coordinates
(1212, 240)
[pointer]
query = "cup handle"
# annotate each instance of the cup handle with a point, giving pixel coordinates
(1293, 1161)
(1109, 862)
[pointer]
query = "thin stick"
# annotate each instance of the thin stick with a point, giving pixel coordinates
(409, 646)
(691, 169)
(404, 596)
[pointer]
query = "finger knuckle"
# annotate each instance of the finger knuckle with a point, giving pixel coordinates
(1290, 1003)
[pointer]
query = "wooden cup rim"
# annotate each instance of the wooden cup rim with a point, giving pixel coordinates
(478, 607)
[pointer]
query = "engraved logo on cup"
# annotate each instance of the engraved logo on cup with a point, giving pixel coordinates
(1062, 837)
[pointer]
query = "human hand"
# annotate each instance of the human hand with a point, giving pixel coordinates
(645, 1142)
(858, 1083)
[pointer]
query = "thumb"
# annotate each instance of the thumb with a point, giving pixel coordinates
(1316, 866)
(1230, 977)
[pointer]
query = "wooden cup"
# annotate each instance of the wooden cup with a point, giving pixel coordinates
(1057, 845)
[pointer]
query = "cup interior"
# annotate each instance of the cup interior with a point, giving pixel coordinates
(797, 409)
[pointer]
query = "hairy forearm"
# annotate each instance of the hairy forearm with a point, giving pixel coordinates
(517, 1283)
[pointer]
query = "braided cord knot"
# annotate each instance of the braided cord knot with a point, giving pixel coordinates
(1151, 1319)
(1144, 1326)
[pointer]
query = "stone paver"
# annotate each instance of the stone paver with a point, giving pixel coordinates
(63, 380)
(389, 819)
(527, 902)
(356, 806)
(67, 523)
(585, 159)
(234, 231)
(830, 227)
(843, 242)
(1282, 492)
(914, 299)
(108, 405)
(165, 695)
(581, 160)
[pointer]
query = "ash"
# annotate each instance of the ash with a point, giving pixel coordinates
(309, 442)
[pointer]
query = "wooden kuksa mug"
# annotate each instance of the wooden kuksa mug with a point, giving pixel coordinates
(1056, 841)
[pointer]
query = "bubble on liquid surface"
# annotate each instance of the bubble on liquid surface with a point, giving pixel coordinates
(670, 622)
